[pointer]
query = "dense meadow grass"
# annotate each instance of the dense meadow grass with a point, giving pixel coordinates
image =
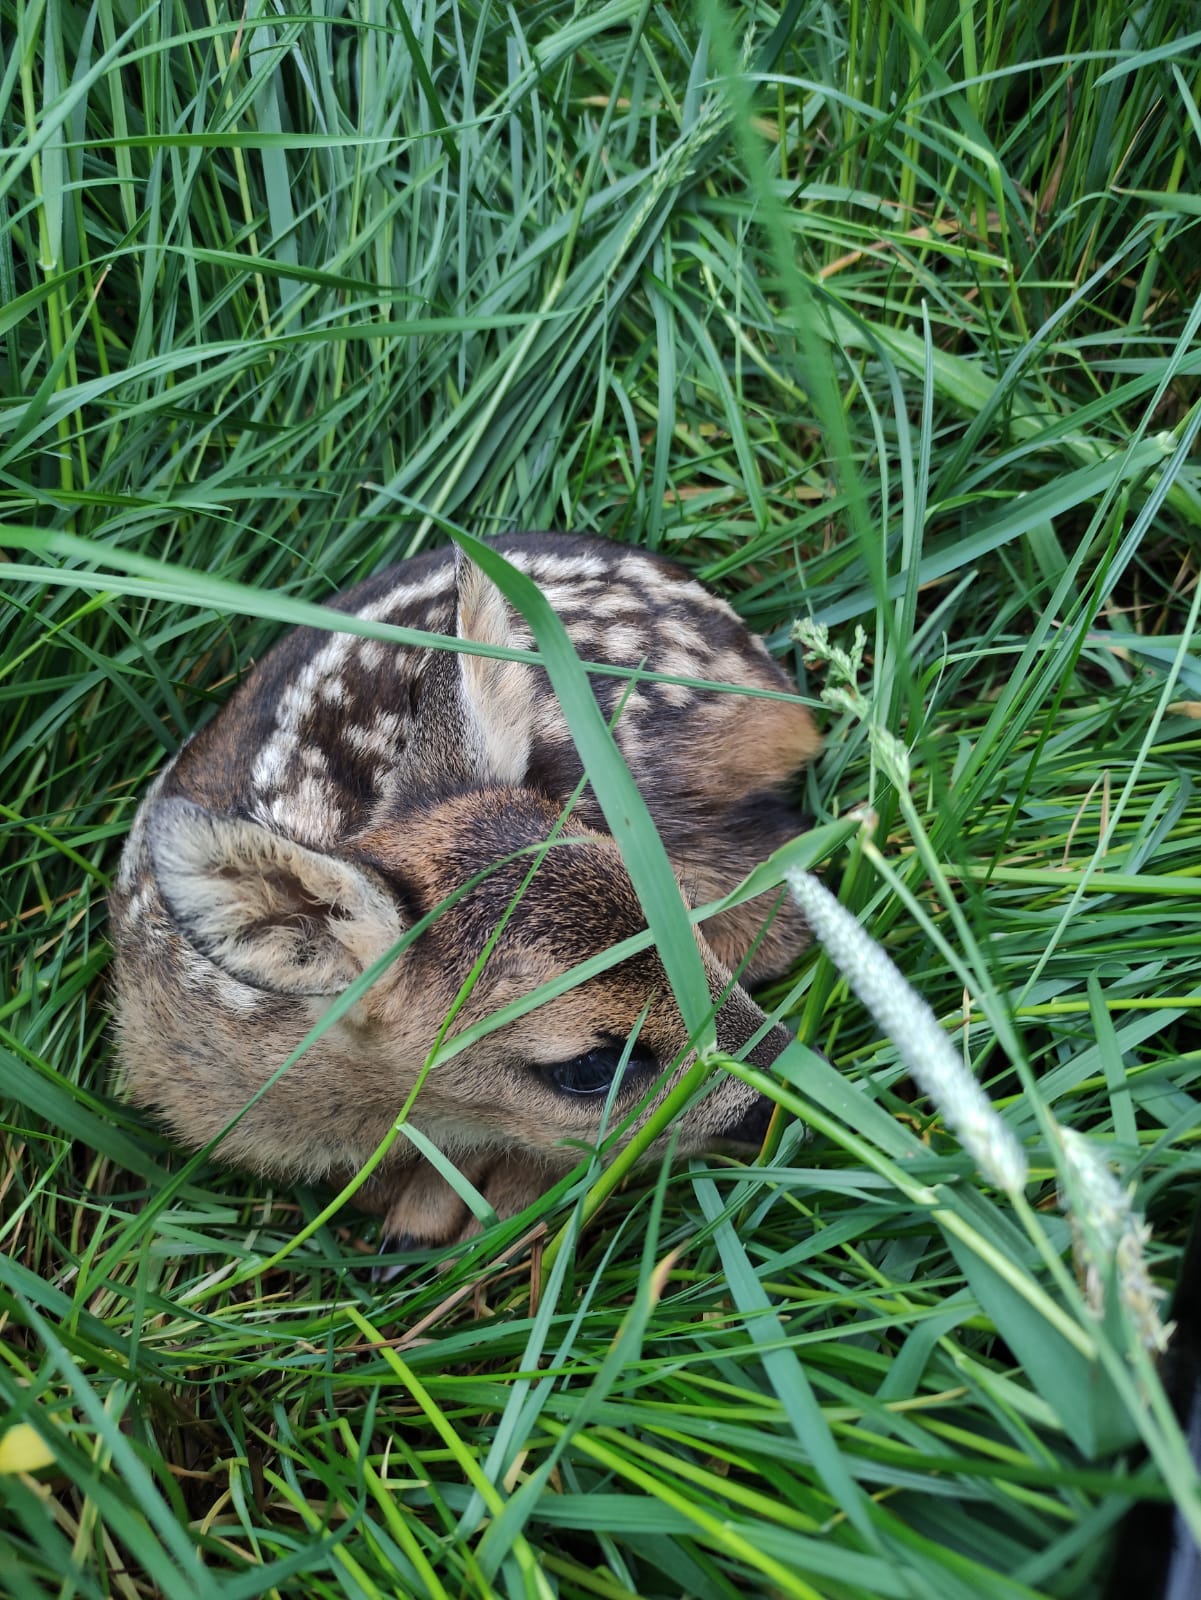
(881, 316)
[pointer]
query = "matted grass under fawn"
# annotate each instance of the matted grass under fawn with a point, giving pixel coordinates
(350, 787)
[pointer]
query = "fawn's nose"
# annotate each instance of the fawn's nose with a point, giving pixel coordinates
(751, 1126)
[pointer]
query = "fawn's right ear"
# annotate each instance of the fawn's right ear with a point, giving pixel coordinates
(267, 910)
(497, 696)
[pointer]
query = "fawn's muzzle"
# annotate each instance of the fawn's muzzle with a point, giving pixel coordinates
(751, 1127)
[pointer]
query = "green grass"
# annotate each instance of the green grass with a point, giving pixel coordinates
(881, 315)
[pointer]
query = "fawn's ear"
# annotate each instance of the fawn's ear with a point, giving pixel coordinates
(267, 910)
(498, 696)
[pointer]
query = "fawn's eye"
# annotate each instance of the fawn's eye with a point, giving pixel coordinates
(594, 1071)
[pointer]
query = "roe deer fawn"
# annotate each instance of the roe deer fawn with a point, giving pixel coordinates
(350, 787)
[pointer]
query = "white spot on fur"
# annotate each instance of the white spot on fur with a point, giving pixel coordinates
(634, 704)
(680, 664)
(646, 577)
(271, 762)
(306, 813)
(379, 738)
(585, 638)
(235, 996)
(570, 597)
(623, 642)
(642, 574)
(550, 569)
(630, 741)
(613, 603)
(439, 582)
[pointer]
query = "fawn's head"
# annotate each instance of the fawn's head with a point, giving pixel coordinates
(509, 912)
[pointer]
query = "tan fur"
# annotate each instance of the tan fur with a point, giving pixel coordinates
(344, 794)
(783, 739)
(781, 734)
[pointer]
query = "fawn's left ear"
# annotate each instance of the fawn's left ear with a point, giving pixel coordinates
(498, 696)
(265, 909)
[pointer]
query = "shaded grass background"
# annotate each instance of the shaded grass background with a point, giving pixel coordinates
(881, 315)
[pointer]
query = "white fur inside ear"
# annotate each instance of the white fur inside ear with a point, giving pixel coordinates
(498, 696)
(267, 910)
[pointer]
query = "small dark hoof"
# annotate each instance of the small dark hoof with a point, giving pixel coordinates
(397, 1244)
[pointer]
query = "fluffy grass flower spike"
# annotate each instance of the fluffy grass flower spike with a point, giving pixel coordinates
(1109, 1239)
(912, 1026)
